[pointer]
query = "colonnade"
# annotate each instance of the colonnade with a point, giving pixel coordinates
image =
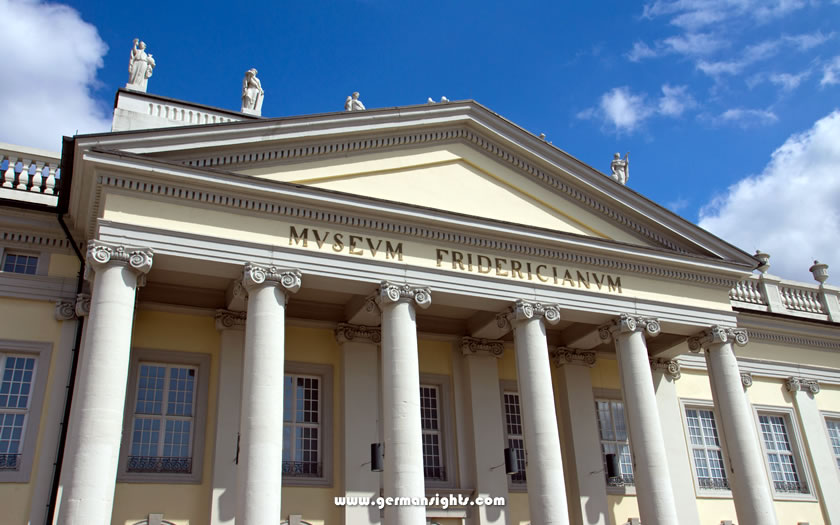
(90, 469)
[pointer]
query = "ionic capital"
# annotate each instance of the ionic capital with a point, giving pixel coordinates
(717, 335)
(627, 324)
(65, 311)
(391, 293)
(568, 356)
(746, 379)
(475, 346)
(346, 333)
(82, 305)
(227, 320)
(256, 275)
(668, 366)
(101, 254)
(527, 310)
(795, 384)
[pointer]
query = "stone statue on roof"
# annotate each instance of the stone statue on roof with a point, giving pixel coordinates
(140, 66)
(620, 168)
(252, 93)
(353, 103)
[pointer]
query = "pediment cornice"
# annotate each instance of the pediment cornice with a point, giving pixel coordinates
(244, 145)
(164, 180)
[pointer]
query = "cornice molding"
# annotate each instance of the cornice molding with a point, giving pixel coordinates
(387, 226)
(34, 239)
(489, 347)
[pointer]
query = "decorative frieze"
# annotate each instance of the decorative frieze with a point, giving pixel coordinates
(717, 335)
(82, 306)
(346, 333)
(796, 384)
(524, 310)
(392, 293)
(256, 275)
(569, 356)
(627, 323)
(475, 346)
(100, 254)
(228, 320)
(65, 311)
(667, 366)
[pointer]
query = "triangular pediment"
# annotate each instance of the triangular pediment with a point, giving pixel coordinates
(455, 158)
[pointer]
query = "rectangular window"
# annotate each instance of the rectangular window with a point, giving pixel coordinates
(834, 434)
(780, 455)
(515, 435)
(613, 434)
(433, 464)
(302, 426)
(163, 426)
(15, 396)
(17, 263)
(706, 450)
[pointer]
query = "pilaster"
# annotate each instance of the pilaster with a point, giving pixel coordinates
(360, 369)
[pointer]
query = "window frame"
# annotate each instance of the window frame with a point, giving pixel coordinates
(325, 374)
(42, 352)
(41, 268)
(510, 386)
(445, 422)
(705, 404)
(608, 394)
(795, 438)
(833, 416)
(198, 360)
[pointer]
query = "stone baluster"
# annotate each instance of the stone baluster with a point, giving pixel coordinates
(23, 178)
(9, 175)
(259, 480)
(750, 490)
(49, 184)
(90, 467)
(37, 177)
(401, 400)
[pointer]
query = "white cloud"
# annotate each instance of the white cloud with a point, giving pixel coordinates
(787, 81)
(752, 54)
(695, 14)
(807, 41)
(641, 51)
(831, 72)
(50, 57)
(791, 210)
(623, 109)
(695, 44)
(675, 100)
(747, 117)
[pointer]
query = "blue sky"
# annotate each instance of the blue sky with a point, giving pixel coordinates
(700, 92)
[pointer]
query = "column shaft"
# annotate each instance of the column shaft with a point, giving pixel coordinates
(750, 488)
(401, 413)
(90, 467)
(259, 481)
(650, 467)
(546, 485)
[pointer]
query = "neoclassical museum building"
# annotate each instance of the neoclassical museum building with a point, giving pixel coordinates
(405, 316)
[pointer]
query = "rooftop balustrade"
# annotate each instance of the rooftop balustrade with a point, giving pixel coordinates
(29, 175)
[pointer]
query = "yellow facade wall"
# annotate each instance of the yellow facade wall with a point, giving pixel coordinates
(62, 265)
(621, 508)
(518, 508)
(33, 321)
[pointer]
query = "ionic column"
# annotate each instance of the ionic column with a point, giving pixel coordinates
(822, 457)
(482, 356)
(223, 502)
(544, 470)
(259, 479)
(750, 487)
(89, 471)
(360, 366)
(650, 466)
(401, 400)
